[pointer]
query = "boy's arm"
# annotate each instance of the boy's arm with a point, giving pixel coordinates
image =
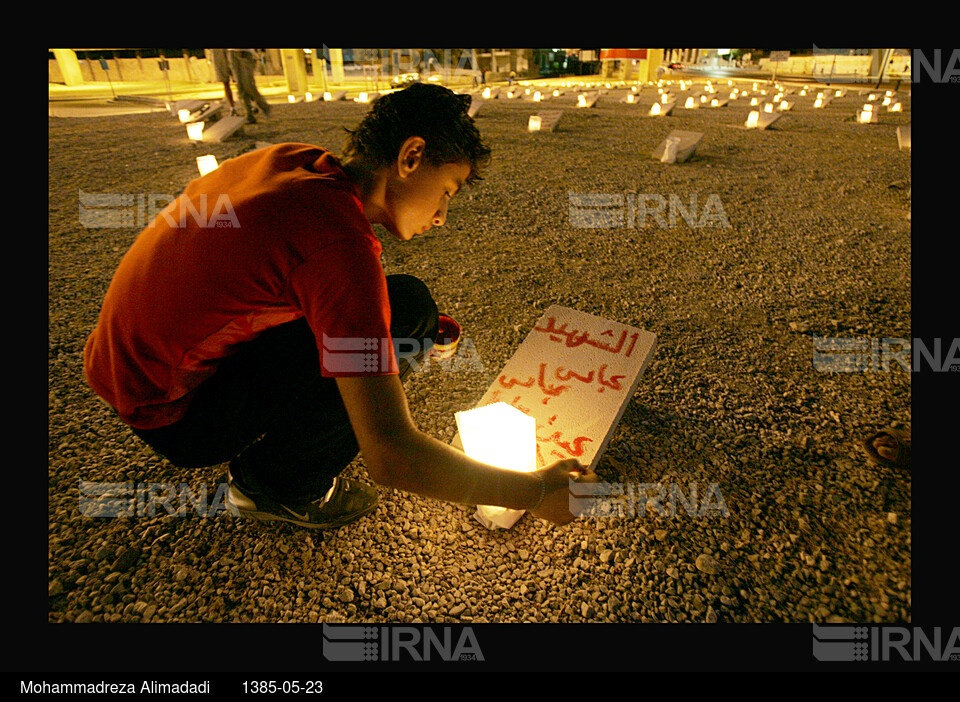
(398, 455)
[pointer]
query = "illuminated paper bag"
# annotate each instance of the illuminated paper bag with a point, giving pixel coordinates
(502, 436)
(574, 374)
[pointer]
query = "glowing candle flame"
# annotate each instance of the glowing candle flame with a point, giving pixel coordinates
(499, 435)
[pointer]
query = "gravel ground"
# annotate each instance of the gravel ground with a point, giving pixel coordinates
(818, 244)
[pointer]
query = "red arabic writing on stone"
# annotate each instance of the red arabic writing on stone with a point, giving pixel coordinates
(574, 337)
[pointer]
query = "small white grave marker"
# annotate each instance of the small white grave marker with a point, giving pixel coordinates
(661, 109)
(223, 129)
(544, 122)
(867, 114)
(761, 120)
(574, 375)
(588, 99)
(903, 136)
(208, 111)
(687, 143)
(184, 108)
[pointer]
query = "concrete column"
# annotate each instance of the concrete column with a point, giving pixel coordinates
(69, 66)
(336, 66)
(294, 70)
(654, 59)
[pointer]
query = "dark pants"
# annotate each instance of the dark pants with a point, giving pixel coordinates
(243, 63)
(269, 412)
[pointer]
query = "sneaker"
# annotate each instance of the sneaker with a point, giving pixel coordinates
(345, 501)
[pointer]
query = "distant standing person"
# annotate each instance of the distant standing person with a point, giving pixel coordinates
(221, 68)
(242, 63)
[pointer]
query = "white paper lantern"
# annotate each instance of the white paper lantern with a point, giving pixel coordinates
(195, 131)
(207, 163)
(499, 435)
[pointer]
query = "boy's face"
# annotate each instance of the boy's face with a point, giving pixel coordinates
(418, 194)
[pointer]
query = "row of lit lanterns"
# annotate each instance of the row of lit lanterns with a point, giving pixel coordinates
(208, 163)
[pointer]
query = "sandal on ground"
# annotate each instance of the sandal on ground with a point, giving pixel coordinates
(895, 438)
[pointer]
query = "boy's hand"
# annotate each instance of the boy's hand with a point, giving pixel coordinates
(555, 507)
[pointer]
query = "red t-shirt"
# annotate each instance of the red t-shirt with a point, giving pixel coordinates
(268, 237)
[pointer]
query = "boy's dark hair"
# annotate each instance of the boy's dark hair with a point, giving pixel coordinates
(430, 111)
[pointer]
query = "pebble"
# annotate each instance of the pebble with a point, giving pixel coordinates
(706, 564)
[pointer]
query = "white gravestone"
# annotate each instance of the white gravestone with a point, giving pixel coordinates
(588, 99)
(223, 129)
(190, 106)
(544, 122)
(574, 374)
(661, 109)
(761, 120)
(210, 111)
(687, 144)
(903, 137)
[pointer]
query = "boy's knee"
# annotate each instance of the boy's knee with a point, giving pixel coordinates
(414, 311)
